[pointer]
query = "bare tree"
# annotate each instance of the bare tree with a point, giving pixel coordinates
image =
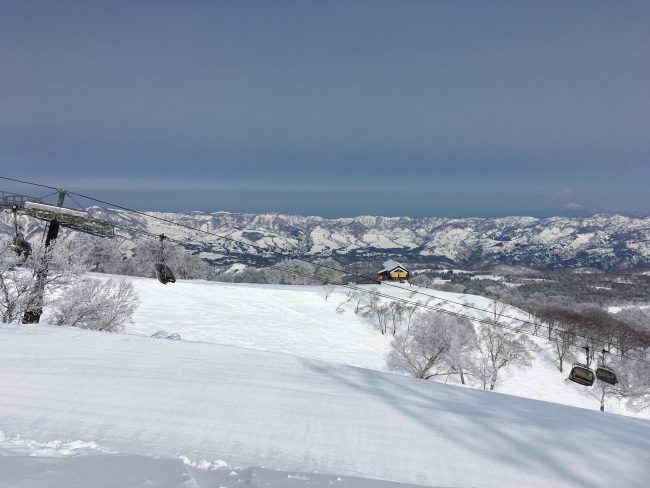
(378, 313)
(410, 310)
(397, 310)
(328, 289)
(361, 301)
(563, 340)
(498, 348)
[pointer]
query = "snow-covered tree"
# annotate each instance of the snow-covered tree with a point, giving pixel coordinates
(101, 255)
(328, 289)
(15, 284)
(497, 349)
(95, 304)
(397, 312)
(461, 355)
(378, 313)
(563, 341)
(633, 385)
(421, 350)
(48, 267)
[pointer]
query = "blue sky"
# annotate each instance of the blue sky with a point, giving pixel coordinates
(441, 108)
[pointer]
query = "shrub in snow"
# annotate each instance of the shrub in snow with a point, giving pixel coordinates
(96, 304)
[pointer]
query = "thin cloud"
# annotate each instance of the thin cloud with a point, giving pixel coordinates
(573, 206)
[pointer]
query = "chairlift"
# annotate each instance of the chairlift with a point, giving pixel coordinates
(582, 374)
(606, 374)
(164, 273)
(20, 244)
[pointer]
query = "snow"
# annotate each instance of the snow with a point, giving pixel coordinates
(492, 277)
(279, 318)
(123, 470)
(214, 404)
(390, 265)
(298, 320)
(328, 240)
(235, 268)
(267, 388)
(378, 239)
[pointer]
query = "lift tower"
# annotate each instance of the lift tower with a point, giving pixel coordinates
(56, 216)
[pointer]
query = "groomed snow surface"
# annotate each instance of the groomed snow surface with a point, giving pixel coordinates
(87, 409)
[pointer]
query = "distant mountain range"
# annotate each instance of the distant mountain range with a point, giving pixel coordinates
(602, 242)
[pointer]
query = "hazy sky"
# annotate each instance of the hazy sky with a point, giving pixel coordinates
(335, 108)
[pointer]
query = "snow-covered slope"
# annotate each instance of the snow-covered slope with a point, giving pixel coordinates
(298, 320)
(280, 318)
(161, 398)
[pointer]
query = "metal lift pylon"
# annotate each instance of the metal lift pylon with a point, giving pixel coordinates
(56, 216)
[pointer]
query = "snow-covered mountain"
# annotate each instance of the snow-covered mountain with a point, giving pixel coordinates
(604, 242)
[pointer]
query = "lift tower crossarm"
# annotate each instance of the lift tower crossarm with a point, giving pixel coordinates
(66, 217)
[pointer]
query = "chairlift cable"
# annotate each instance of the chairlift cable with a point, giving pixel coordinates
(28, 183)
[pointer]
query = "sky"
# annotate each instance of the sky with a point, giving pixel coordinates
(331, 108)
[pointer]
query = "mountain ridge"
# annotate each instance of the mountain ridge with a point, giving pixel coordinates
(604, 242)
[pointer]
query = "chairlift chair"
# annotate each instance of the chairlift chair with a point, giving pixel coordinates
(164, 273)
(606, 374)
(582, 374)
(20, 244)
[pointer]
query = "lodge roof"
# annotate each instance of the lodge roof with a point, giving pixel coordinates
(390, 265)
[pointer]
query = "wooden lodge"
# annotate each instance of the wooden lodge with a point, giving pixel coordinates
(393, 271)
